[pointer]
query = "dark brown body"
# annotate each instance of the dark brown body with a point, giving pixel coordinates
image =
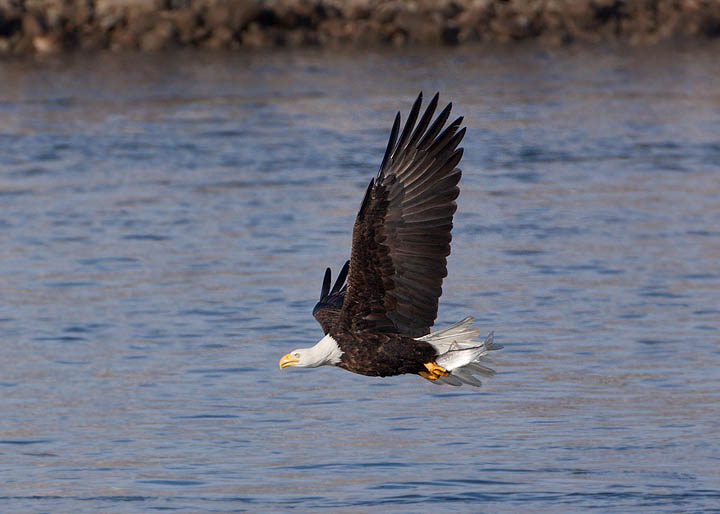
(383, 355)
(401, 240)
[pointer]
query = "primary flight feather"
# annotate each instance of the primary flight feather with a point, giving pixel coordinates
(378, 322)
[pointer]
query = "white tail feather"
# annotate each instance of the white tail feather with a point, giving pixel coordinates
(460, 353)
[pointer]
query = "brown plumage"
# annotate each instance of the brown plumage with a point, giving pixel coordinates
(378, 323)
(400, 243)
(327, 310)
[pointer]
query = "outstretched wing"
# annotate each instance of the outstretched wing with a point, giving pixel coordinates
(401, 237)
(327, 310)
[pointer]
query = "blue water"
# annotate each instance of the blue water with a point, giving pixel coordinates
(166, 220)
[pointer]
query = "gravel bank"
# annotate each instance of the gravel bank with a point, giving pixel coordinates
(28, 26)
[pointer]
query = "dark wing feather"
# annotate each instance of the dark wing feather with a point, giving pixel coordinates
(327, 310)
(401, 237)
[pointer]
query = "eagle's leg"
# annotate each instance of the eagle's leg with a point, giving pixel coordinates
(433, 371)
(433, 368)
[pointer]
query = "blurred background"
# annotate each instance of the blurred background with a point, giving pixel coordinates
(176, 175)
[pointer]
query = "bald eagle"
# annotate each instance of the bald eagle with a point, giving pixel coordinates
(378, 323)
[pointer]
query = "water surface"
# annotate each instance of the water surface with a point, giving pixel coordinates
(166, 220)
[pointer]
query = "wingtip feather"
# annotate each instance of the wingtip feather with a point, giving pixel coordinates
(340, 280)
(366, 198)
(391, 143)
(326, 284)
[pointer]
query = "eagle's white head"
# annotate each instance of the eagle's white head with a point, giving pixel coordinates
(325, 352)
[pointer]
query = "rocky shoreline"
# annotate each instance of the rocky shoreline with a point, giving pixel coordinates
(45, 26)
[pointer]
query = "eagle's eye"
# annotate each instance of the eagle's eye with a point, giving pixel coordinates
(296, 355)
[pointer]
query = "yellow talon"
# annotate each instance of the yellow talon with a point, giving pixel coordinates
(434, 369)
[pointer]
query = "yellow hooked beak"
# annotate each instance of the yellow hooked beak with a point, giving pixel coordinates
(288, 360)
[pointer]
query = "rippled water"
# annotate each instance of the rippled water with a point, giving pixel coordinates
(166, 221)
